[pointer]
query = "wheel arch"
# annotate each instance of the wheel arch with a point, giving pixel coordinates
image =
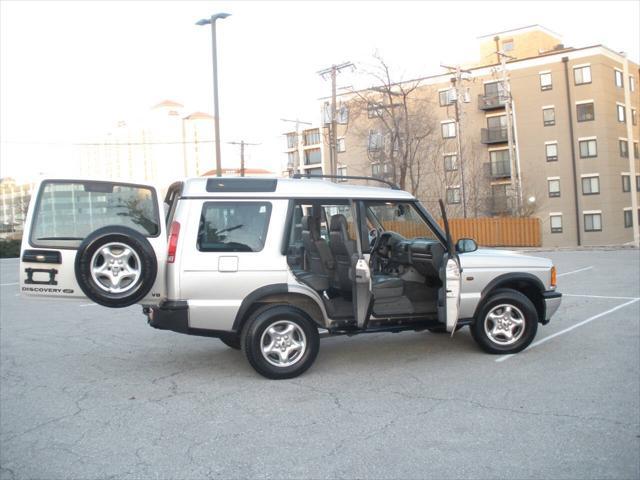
(526, 283)
(279, 293)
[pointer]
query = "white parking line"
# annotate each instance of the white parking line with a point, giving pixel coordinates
(599, 296)
(88, 305)
(568, 329)
(575, 271)
(7, 284)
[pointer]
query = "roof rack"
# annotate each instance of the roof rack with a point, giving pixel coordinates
(347, 177)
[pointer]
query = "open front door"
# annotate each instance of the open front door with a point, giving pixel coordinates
(98, 240)
(450, 274)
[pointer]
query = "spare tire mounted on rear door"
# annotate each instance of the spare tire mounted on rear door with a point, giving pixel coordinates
(116, 266)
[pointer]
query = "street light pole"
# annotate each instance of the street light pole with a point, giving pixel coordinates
(212, 21)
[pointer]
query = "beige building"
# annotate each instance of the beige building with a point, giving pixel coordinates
(572, 111)
(164, 144)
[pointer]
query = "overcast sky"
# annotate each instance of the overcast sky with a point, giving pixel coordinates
(70, 70)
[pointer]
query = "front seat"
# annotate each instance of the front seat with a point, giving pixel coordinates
(320, 264)
(345, 252)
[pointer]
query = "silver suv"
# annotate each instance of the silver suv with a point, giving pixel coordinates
(267, 264)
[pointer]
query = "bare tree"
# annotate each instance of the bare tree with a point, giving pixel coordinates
(398, 123)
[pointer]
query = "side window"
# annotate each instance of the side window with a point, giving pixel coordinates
(233, 226)
(322, 211)
(67, 212)
(400, 217)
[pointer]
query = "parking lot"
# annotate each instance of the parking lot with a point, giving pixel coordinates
(88, 392)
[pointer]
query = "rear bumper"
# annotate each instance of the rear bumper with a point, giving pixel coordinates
(552, 301)
(174, 316)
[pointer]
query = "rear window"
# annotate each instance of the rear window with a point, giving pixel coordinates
(66, 212)
(233, 226)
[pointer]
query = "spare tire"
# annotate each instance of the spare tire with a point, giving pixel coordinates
(116, 266)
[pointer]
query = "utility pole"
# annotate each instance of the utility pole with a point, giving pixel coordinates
(456, 86)
(242, 143)
(332, 73)
(299, 149)
(514, 163)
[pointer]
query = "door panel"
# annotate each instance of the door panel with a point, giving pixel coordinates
(64, 212)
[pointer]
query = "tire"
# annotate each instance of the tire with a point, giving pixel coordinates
(507, 313)
(231, 341)
(105, 251)
(292, 326)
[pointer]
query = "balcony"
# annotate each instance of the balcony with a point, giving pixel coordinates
(498, 169)
(489, 136)
(491, 101)
(499, 205)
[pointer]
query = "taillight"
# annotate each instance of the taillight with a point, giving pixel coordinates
(174, 232)
(554, 277)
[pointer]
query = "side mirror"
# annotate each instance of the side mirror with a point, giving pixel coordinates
(466, 245)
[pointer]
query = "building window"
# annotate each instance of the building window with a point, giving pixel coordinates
(375, 141)
(590, 185)
(634, 116)
(292, 160)
(585, 112)
(632, 83)
(551, 150)
(341, 146)
(453, 195)
(342, 172)
(387, 169)
(582, 75)
(637, 183)
(343, 114)
(554, 187)
(545, 81)
(624, 148)
(375, 170)
(628, 220)
(375, 110)
(549, 116)
(312, 156)
(448, 130)
(446, 97)
(311, 137)
(556, 223)
(619, 78)
(292, 140)
(588, 148)
(500, 163)
(621, 113)
(507, 46)
(626, 183)
(450, 163)
(592, 222)
(636, 153)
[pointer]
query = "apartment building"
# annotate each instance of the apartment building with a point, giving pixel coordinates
(572, 111)
(160, 145)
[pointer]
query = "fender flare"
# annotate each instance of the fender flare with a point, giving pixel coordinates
(499, 281)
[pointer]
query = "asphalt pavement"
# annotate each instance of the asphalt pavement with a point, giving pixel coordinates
(88, 392)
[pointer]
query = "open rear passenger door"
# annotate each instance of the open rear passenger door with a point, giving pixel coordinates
(450, 274)
(100, 240)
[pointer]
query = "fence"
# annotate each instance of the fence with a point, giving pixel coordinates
(498, 231)
(489, 231)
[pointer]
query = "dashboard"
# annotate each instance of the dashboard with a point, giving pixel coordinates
(422, 254)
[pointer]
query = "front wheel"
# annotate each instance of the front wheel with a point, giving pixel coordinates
(280, 341)
(506, 323)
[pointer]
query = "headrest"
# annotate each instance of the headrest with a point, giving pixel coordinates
(339, 224)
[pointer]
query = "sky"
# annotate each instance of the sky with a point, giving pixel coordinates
(70, 70)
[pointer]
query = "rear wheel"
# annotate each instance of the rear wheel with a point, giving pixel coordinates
(280, 341)
(506, 323)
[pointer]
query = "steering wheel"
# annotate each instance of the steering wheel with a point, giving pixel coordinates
(379, 241)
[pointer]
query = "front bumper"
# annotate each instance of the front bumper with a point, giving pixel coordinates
(174, 316)
(552, 301)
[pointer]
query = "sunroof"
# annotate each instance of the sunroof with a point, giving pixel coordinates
(221, 184)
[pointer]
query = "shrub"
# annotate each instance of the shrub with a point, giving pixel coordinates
(9, 248)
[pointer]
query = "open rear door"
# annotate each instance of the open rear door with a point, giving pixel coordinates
(450, 274)
(99, 240)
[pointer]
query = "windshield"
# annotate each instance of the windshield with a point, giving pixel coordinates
(399, 217)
